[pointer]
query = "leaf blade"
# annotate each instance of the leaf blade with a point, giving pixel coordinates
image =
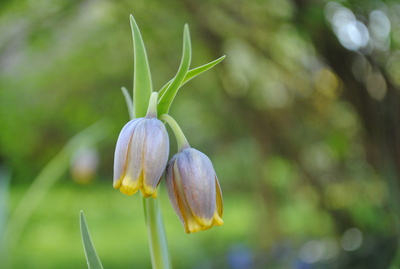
(194, 73)
(129, 103)
(142, 85)
(92, 258)
(201, 69)
(169, 94)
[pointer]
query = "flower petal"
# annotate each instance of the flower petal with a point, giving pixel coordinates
(130, 186)
(198, 181)
(172, 179)
(219, 202)
(135, 153)
(121, 151)
(155, 154)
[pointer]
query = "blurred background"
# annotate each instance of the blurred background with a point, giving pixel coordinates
(301, 121)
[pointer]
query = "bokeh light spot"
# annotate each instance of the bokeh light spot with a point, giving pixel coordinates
(351, 239)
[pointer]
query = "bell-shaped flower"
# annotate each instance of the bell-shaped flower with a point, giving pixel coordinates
(141, 153)
(194, 190)
(141, 156)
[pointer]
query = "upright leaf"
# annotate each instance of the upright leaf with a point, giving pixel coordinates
(169, 94)
(142, 86)
(92, 258)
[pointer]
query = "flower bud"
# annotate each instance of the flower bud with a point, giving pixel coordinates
(194, 190)
(140, 157)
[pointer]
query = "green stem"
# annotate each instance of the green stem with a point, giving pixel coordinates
(156, 232)
(180, 137)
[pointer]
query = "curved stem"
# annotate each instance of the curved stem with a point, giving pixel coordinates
(180, 137)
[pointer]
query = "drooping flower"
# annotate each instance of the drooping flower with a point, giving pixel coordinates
(141, 153)
(194, 190)
(141, 156)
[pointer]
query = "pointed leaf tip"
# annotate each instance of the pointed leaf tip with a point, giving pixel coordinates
(132, 19)
(201, 69)
(172, 88)
(142, 85)
(186, 27)
(92, 258)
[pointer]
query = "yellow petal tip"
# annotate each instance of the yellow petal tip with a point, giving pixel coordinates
(127, 190)
(148, 191)
(217, 220)
(117, 184)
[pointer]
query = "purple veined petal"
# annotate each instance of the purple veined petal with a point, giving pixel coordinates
(133, 175)
(155, 156)
(198, 181)
(190, 222)
(172, 180)
(121, 150)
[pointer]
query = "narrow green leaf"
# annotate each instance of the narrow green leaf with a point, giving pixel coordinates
(164, 88)
(5, 176)
(92, 258)
(142, 86)
(201, 69)
(194, 73)
(170, 92)
(129, 103)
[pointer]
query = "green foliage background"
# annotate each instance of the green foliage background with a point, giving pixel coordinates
(303, 132)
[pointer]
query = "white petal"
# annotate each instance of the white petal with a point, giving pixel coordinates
(135, 153)
(156, 150)
(121, 149)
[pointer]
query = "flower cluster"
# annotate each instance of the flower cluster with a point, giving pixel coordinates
(141, 157)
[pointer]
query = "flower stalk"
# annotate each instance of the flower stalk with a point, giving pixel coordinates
(156, 232)
(180, 137)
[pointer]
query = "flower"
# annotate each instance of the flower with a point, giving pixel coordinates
(84, 164)
(194, 190)
(141, 156)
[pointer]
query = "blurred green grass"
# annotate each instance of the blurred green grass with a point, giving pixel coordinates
(52, 237)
